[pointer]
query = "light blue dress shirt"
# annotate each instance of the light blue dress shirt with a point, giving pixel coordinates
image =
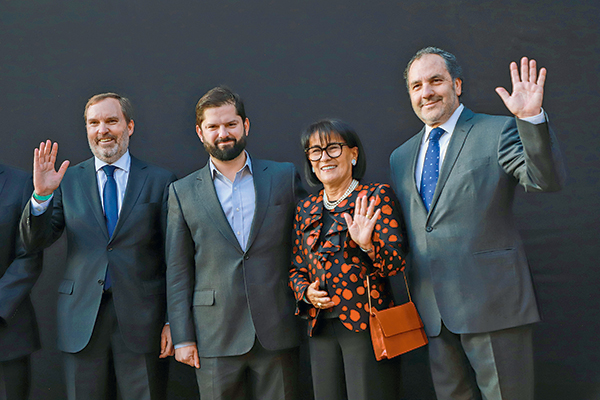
(237, 198)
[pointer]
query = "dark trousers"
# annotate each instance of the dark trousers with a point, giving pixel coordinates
(343, 365)
(490, 366)
(259, 374)
(14, 379)
(106, 365)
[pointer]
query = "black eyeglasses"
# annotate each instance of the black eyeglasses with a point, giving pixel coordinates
(333, 150)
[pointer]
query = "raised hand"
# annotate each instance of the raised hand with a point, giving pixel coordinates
(45, 178)
(361, 227)
(528, 89)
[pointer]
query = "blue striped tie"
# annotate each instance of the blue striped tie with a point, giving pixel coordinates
(431, 167)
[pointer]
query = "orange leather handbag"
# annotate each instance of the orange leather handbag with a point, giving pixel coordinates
(396, 330)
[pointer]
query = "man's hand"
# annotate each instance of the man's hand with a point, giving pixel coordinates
(166, 343)
(45, 178)
(528, 89)
(188, 355)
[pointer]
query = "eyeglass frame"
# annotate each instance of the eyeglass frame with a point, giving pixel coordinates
(324, 149)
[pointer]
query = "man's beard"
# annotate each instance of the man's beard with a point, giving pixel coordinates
(112, 154)
(228, 153)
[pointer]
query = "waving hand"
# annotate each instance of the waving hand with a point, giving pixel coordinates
(528, 89)
(45, 178)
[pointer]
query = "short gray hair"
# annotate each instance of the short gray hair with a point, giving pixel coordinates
(452, 66)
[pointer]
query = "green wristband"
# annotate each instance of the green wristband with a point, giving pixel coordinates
(41, 198)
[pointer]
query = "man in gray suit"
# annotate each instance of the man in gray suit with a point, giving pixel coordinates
(456, 181)
(111, 305)
(228, 254)
(18, 273)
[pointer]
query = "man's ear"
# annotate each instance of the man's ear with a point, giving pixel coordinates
(199, 132)
(458, 86)
(247, 126)
(130, 127)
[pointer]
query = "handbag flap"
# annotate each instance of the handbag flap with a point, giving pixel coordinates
(395, 320)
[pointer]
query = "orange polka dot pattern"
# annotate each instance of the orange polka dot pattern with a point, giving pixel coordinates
(340, 262)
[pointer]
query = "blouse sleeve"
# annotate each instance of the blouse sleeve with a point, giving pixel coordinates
(388, 235)
(299, 275)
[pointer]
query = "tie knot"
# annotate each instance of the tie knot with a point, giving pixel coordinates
(436, 133)
(109, 170)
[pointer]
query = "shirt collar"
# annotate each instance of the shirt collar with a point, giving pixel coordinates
(214, 171)
(447, 126)
(122, 163)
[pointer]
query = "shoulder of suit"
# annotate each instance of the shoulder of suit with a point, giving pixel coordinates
(474, 117)
(404, 146)
(191, 178)
(14, 172)
(154, 168)
(260, 163)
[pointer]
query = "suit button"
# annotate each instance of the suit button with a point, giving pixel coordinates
(110, 249)
(429, 229)
(100, 282)
(246, 257)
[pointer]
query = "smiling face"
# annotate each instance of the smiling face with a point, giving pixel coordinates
(223, 132)
(333, 172)
(433, 92)
(107, 130)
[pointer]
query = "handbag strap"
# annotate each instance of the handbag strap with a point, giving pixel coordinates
(369, 288)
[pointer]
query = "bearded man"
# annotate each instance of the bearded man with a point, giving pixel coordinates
(111, 303)
(229, 248)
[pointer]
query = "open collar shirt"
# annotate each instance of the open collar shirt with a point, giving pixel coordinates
(237, 199)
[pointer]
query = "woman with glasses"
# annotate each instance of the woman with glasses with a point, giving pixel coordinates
(350, 229)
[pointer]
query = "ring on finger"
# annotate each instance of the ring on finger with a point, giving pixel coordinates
(319, 305)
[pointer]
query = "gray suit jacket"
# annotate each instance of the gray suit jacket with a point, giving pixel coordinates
(219, 295)
(18, 270)
(134, 254)
(467, 262)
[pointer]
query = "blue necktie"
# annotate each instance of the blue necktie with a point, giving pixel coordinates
(111, 210)
(431, 167)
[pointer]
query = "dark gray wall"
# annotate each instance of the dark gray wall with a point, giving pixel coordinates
(294, 62)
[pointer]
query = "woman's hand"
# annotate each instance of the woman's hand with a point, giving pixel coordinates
(318, 298)
(361, 227)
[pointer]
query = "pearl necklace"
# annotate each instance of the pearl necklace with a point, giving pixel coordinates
(331, 205)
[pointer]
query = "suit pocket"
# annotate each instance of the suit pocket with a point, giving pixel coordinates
(497, 264)
(204, 298)
(66, 287)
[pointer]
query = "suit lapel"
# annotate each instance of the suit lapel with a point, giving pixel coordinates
(207, 198)
(414, 190)
(89, 185)
(262, 190)
(461, 131)
(135, 183)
